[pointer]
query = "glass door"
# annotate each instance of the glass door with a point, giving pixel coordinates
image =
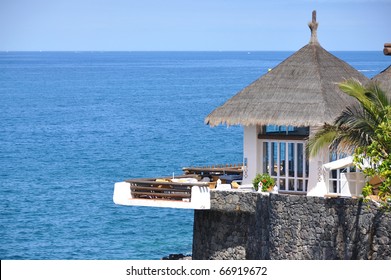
(287, 163)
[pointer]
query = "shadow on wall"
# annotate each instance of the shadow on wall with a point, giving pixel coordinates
(351, 231)
(282, 227)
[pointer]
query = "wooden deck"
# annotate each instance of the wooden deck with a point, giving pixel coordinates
(215, 170)
(179, 188)
(165, 188)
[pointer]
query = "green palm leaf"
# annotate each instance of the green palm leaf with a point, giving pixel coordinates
(357, 124)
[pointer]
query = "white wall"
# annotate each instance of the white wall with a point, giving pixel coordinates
(316, 184)
(251, 152)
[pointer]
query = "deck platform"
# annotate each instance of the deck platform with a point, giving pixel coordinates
(188, 191)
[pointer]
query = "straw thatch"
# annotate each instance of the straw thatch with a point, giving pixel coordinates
(384, 79)
(300, 91)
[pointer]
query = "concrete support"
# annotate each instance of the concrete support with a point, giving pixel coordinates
(251, 153)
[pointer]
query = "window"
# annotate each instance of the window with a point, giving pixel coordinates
(285, 130)
(284, 157)
(287, 163)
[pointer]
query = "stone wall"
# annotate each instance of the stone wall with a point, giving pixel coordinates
(275, 226)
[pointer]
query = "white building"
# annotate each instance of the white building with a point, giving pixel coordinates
(281, 109)
(278, 111)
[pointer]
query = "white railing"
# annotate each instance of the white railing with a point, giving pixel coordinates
(341, 179)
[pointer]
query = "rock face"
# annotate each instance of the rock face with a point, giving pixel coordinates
(177, 257)
(274, 226)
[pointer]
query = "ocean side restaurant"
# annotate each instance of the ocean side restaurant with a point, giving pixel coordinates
(279, 111)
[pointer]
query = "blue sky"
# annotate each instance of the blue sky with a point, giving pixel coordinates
(191, 25)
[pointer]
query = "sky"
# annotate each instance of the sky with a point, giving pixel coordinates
(191, 25)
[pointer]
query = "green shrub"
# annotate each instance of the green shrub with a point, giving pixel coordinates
(378, 154)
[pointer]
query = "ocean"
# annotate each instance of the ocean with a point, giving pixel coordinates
(74, 123)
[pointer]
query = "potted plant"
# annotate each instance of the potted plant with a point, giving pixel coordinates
(263, 181)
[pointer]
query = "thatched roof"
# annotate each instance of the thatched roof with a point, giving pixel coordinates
(300, 91)
(384, 79)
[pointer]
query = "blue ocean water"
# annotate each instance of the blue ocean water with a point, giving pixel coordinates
(74, 123)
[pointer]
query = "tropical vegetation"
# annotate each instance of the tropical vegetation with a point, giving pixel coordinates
(364, 130)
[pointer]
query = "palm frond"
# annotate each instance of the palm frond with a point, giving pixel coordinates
(366, 96)
(356, 126)
(377, 95)
(355, 89)
(321, 139)
(354, 118)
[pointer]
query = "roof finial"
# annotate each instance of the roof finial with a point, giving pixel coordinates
(314, 27)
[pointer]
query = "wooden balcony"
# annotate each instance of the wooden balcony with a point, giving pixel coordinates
(190, 190)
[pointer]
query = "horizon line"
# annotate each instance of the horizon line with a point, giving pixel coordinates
(248, 51)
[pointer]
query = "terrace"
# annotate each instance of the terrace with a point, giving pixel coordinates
(188, 191)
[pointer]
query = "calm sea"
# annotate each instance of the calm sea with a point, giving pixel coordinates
(72, 124)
